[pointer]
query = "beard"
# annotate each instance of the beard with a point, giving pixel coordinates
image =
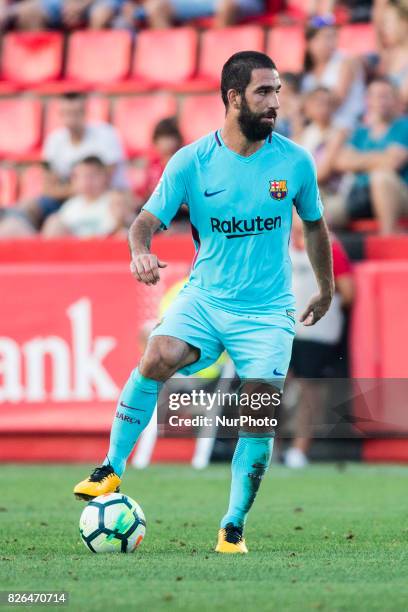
(251, 124)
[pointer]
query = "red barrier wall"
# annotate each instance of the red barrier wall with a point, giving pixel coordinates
(70, 318)
(69, 336)
(379, 351)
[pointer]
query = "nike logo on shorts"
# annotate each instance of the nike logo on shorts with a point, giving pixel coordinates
(276, 373)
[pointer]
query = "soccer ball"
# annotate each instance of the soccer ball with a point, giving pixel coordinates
(112, 523)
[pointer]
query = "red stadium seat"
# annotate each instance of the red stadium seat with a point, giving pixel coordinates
(95, 58)
(161, 58)
(165, 56)
(357, 39)
(97, 110)
(29, 58)
(20, 128)
(201, 114)
(31, 182)
(367, 226)
(216, 47)
(286, 46)
(136, 116)
(386, 247)
(8, 186)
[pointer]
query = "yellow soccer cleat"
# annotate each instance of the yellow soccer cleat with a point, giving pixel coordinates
(230, 541)
(102, 480)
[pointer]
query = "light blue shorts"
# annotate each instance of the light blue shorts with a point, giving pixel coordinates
(194, 9)
(259, 346)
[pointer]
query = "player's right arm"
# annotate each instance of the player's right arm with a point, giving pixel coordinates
(158, 212)
(144, 265)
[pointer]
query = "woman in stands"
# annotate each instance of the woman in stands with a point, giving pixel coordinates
(326, 66)
(394, 56)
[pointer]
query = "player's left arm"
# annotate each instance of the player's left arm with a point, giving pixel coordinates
(319, 250)
(317, 240)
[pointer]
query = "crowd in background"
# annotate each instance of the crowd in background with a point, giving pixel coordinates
(349, 112)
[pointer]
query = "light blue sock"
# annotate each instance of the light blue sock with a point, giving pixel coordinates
(134, 410)
(250, 461)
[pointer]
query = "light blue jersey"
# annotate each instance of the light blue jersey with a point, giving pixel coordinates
(241, 216)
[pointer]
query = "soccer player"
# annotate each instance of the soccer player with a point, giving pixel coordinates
(240, 184)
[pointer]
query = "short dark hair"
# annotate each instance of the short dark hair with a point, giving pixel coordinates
(237, 71)
(92, 160)
(167, 127)
(72, 96)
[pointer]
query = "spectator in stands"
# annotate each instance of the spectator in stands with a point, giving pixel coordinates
(167, 140)
(325, 66)
(324, 141)
(63, 148)
(377, 155)
(164, 13)
(315, 353)
(289, 121)
(93, 210)
(58, 14)
(394, 55)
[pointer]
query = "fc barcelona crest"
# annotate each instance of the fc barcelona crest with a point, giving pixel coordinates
(278, 189)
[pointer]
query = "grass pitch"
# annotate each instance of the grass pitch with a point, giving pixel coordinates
(319, 539)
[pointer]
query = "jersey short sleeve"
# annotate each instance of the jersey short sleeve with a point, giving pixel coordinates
(308, 202)
(171, 191)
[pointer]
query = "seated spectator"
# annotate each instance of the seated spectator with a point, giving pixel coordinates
(324, 141)
(394, 55)
(58, 14)
(93, 210)
(325, 66)
(167, 140)
(377, 155)
(164, 13)
(315, 354)
(290, 120)
(63, 148)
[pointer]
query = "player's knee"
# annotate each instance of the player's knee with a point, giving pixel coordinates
(160, 361)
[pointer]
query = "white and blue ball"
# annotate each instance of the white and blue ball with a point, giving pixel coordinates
(112, 523)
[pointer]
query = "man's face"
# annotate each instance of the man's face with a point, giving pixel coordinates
(318, 106)
(259, 105)
(166, 146)
(73, 114)
(381, 100)
(89, 180)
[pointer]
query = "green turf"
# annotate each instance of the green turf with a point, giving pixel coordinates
(320, 539)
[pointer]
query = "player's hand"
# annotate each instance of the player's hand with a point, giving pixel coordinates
(316, 309)
(145, 268)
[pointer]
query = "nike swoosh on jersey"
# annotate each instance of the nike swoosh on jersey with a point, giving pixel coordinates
(209, 194)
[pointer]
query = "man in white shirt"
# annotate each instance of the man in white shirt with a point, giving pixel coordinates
(94, 210)
(76, 139)
(63, 148)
